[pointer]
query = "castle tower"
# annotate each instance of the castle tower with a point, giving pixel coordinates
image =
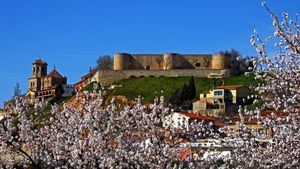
(125, 61)
(39, 71)
(168, 61)
(220, 61)
(119, 61)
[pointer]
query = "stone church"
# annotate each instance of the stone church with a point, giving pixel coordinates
(42, 85)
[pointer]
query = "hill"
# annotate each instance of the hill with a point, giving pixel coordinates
(150, 87)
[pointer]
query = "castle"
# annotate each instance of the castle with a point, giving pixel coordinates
(169, 65)
(42, 85)
(124, 61)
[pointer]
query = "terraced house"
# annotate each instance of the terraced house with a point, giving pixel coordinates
(221, 99)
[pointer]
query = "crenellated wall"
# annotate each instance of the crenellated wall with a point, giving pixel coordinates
(168, 61)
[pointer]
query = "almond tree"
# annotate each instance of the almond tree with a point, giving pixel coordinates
(84, 134)
(279, 88)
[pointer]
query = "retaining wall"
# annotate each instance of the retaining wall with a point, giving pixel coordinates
(107, 77)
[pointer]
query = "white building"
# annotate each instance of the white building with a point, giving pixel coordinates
(181, 120)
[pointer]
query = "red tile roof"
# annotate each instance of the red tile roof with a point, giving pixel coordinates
(55, 74)
(200, 117)
(230, 87)
(268, 113)
(91, 73)
(264, 114)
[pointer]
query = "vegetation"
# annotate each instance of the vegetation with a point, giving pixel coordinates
(150, 87)
(183, 97)
(58, 96)
(17, 90)
(104, 62)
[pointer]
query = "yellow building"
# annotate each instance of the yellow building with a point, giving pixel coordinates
(257, 129)
(221, 99)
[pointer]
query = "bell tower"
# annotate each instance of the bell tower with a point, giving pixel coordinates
(39, 68)
(39, 71)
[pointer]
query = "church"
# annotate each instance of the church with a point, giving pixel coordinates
(42, 85)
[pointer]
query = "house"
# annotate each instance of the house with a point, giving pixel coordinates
(182, 120)
(85, 80)
(220, 100)
(252, 123)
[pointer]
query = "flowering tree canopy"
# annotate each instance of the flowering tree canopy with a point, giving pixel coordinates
(83, 133)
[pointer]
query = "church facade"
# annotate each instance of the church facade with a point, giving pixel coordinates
(42, 85)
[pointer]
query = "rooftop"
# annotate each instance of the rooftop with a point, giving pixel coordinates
(55, 74)
(230, 87)
(39, 61)
(199, 117)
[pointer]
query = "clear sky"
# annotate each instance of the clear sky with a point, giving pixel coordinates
(71, 34)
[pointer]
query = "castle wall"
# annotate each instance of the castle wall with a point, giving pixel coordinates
(124, 61)
(199, 61)
(149, 61)
(107, 77)
(176, 61)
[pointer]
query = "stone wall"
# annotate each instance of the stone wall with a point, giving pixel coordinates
(107, 77)
(125, 61)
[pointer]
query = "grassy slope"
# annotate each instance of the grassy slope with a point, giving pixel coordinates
(149, 87)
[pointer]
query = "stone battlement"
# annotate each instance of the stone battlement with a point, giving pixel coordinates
(168, 61)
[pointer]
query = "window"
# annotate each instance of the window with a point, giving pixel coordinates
(260, 131)
(218, 101)
(197, 64)
(147, 67)
(218, 93)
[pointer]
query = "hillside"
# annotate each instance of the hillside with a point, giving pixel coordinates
(149, 87)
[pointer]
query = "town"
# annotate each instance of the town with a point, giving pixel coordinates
(217, 107)
(149, 85)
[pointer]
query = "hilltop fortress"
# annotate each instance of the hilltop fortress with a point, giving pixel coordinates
(168, 61)
(169, 65)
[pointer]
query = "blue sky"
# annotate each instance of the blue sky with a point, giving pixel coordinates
(71, 34)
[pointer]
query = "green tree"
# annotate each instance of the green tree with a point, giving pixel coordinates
(17, 90)
(183, 97)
